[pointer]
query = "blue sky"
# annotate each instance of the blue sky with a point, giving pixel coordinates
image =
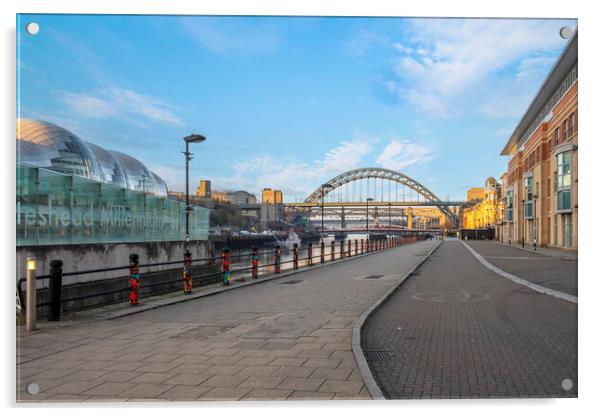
(290, 102)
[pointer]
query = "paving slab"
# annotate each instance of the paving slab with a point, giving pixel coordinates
(455, 329)
(226, 338)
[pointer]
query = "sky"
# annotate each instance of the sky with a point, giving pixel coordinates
(290, 102)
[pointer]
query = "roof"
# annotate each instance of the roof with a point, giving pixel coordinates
(561, 68)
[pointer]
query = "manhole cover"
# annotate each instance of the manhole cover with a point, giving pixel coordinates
(456, 297)
(290, 282)
(374, 276)
(377, 355)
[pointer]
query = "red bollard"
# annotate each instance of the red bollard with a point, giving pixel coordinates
(187, 273)
(225, 261)
(254, 263)
(322, 252)
(295, 256)
(342, 250)
(134, 279)
(310, 254)
(348, 248)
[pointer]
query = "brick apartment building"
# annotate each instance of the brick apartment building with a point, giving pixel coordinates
(540, 185)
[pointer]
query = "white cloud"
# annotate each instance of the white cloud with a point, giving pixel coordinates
(120, 103)
(452, 57)
(364, 40)
(295, 179)
(232, 36)
(399, 154)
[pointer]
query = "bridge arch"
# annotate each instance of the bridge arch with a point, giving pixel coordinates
(381, 173)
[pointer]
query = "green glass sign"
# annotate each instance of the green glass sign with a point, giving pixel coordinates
(53, 208)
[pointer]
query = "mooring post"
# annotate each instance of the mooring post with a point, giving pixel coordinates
(254, 263)
(134, 279)
(54, 290)
(295, 256)
(225, 263)
(277, 258)
(322, 252)
(187, 273)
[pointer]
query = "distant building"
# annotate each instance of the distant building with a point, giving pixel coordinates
(475, 194)
(271, 196)
(487, 210)
(204, 189)
(234, 197)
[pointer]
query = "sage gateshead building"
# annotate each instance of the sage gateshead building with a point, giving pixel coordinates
(70, 191)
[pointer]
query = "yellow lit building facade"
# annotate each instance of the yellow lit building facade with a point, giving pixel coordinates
(487, 211)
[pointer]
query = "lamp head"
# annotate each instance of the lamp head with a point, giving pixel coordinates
(195, 138)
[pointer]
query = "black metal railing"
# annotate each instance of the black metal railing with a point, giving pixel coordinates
(367, 246)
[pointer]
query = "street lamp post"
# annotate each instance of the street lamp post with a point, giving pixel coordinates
(322, 188)
(535, 221)
(389, 218)
(524, 223)
(193, 138)
(368, 200)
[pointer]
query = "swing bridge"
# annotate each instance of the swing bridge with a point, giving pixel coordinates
(387, 199)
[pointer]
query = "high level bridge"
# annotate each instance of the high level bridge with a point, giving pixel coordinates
(389, 199)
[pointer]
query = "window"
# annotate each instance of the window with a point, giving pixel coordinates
(510, 205)
(563, 161)
(565, 131)
(571, 124)
(549, 188)
(557, 137)
(529, 197)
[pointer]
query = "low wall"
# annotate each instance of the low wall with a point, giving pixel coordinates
(95, 289)
(79, 257)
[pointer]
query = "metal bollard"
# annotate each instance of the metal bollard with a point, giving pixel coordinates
(332, 250)
(134, 279)
(254, 263)
(31, 295)
(322, 252)
(356, 246)
(348, 248)
(295, 256)
(362, 246)
(187, 273)
(54, 290)
(342, 250)
(225, 263)
(277, 258)
(310, 254)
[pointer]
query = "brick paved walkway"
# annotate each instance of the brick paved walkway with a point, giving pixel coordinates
(458, 330)
(552, 272)
(285, 339)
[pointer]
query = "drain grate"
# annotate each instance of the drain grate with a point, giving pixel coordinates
(378, 355)
(415, 273)
(290, 282)
(374, 276)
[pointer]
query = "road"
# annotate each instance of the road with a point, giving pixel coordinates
(289, 338)
(455, 329)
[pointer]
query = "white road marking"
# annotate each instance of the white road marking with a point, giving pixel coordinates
(515, 279)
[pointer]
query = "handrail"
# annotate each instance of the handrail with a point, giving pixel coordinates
(210, 260)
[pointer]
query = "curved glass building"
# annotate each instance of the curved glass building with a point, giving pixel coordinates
(52, 147)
